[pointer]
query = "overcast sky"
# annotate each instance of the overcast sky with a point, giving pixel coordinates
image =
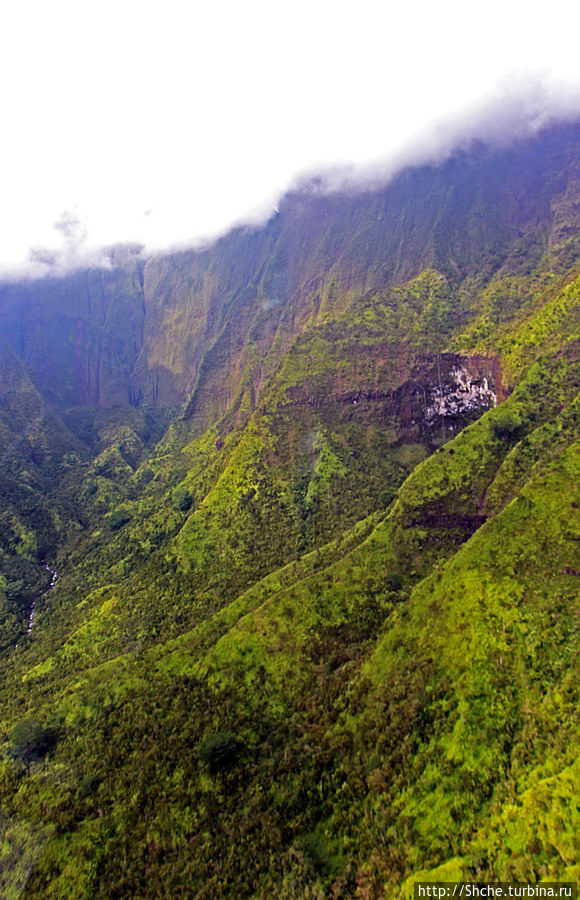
(167, 121)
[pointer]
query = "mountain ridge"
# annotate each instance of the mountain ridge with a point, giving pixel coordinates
(292, 258)
(313, 511)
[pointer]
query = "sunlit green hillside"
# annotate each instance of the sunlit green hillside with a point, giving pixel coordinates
(298, 520)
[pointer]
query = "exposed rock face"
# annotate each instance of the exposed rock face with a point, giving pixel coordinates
(463, 395)
(449, 390)
(443, 390)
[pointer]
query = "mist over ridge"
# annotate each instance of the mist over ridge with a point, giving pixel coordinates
(519, 109)
(289, 538)
(155, 328)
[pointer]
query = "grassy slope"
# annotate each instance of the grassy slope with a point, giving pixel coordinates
(405, 697)
(402, 687)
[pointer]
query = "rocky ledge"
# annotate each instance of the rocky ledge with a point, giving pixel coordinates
(461, 394)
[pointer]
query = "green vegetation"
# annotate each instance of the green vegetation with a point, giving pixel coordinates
(305, 595)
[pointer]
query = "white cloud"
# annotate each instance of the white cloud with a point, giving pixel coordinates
(163, 123)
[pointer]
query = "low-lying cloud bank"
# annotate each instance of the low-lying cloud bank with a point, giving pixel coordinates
(520, 108)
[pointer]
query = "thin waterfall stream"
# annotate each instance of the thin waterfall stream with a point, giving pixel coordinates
(54, 576)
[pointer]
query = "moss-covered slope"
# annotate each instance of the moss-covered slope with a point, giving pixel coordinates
(320, 638)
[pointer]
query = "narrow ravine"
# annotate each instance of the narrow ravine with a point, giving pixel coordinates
(54, 576)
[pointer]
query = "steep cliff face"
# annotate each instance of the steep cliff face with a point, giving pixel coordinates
(256, 289)
(203, 326)
(445, 390)
(79, 335)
